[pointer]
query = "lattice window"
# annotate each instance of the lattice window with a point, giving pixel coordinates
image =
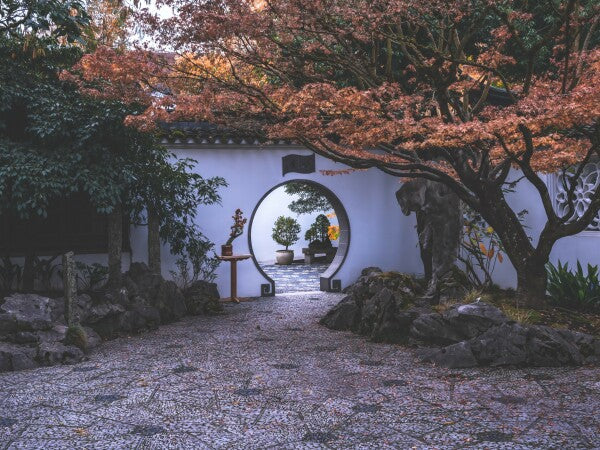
(586, 186)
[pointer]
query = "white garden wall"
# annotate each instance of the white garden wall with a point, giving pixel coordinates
(380, 234)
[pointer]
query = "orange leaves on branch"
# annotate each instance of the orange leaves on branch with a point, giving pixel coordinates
(319, 72)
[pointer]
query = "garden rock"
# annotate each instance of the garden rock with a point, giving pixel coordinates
(370, 271)
(378, 306)
(515, 344)
(33, 330)
(158, 292)
(58, 333)
(458, 323)
(103, 311)
(51, 354)
(93, 338)
(383, 307)
(434, 329)
(82, 306)
(30, 311)
(16, 357)
(343, 316)
(8, 324)
(202, 297)
(149, 314)
(170, 302)
(454, 356)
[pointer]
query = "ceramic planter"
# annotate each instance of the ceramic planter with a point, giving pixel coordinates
(285, 257)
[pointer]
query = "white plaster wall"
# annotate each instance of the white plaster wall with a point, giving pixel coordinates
(380, 234)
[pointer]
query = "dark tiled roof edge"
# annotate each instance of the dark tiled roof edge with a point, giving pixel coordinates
(207, 134)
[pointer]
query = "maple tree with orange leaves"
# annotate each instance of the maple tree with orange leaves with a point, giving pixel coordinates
(473, 94)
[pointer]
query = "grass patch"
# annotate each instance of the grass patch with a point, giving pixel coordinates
(553, 316)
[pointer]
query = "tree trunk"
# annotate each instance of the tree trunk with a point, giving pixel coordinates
(528, 261)
(115, 246)
(532, 284)
(154, 263)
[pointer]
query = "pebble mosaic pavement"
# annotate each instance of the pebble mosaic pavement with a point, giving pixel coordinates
(265, 374)
(296, 277)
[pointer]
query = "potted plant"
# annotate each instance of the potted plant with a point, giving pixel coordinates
(237, 229)
(319, 237)
(318, 234)
(285, 232)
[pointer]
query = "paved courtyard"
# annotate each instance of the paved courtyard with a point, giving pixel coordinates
(296, 277)
(266, 375)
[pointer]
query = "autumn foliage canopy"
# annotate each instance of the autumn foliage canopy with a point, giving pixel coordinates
(459, 92)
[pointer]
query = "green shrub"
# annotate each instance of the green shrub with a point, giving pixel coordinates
(317, 234)
(77, 336)
(285, 231)
(574, 289)
(90, 276)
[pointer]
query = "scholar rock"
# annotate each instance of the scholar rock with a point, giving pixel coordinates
(202, 297)
(51, 354)
(16, 357)
(439, 225)
(343, 316)
(30, 311)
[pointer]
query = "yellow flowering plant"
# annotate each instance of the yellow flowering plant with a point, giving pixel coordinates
(481, 249)
(333, 232)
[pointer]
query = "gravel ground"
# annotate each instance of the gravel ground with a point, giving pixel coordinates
(266, 374)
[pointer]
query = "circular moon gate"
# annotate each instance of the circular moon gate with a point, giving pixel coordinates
(327, 282)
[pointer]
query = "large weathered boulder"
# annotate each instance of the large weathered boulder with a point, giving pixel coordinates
(384, 317)
(377, 306)
(434, 329)
(103, 311)
(455, 356)
(82, 306)
(31, 312)
(202, 297)
(51, 354)
(164, 295)
(388, 307)
(16, 357)
(514, 344)
(93, 338)
(343, 316)
(170, 302)
(33, 328)
(458, 323)
(8, 324)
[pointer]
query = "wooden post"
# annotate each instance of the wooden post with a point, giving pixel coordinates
(70, 285)
(234, 281)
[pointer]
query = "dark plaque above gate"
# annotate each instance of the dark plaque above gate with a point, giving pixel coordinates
(298, 164)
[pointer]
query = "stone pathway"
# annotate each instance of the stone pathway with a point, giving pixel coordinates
(266, 375)
(296, 277)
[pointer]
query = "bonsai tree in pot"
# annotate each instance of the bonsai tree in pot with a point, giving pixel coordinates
(317, 235)
(285, 232)
(237, 229)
